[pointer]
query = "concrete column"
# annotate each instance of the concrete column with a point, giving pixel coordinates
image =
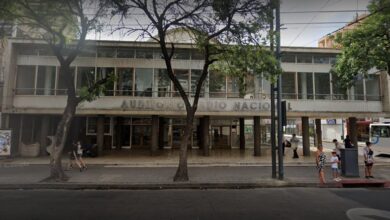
(45, 125)
(161, 133)
(257, 136)
(200, 133)
(118, 133)
(206, 136)
(100, 134)
(352, 131)
(318, 132)
(305, 136)
(242, 134)
(154, 144)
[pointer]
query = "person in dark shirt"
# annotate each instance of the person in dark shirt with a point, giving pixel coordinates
(347, 142)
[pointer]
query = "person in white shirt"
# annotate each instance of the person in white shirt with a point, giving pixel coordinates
(337, 147)
(334, 160)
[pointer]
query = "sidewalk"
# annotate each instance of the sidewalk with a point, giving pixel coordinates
(223, 169)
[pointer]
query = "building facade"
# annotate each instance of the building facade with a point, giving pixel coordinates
(143, 110)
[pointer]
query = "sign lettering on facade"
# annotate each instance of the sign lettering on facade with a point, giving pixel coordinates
(203, 105)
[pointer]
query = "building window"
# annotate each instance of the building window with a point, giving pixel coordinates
(217, 85)
(233, 87)
(92, 125)
(304, 58)
(197, 55)
(183, 77)
(104, 72)
(322, 85)
(61, 83)
(106, 52)
(288, 86)
(162, 83)
(305, 85)
(358, 89)
(143, 82)
(25, 82)
(372, 88)
(125, 53)
(288, 58)
(321, 59)
(125, 82)
(144, 53)
(88, 52)
(339, 93)
(85, 77)
(181, 55)
(46, 80)
(195, 77)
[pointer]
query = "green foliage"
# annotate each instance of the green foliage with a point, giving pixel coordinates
(95, 90)
(243, 60)
(366, 47)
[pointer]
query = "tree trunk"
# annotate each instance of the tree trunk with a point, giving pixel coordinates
(182, 170)
(56, 170)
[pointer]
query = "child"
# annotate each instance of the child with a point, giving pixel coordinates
(334, 160)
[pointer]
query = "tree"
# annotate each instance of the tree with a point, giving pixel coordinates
(366, 47)
(213, 24)
(64, 26)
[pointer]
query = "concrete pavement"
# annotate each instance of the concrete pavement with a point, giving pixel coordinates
(139, 170)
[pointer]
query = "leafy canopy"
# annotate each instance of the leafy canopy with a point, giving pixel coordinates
(366, 47)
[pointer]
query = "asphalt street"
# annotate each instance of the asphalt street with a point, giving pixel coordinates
(276, 203)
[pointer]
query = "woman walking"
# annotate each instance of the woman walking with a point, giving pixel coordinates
(368, 159)
(320, 161)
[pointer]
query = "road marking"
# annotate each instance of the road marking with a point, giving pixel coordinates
(367, 214)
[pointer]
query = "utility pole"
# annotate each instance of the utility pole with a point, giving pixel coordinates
(273, 144)
(279, 96)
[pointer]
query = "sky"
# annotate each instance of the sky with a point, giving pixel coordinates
(299, 19)
(307, 35)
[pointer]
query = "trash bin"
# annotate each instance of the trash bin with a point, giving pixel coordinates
(349, 162)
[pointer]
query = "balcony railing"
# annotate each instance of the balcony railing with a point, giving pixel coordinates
(224, 95)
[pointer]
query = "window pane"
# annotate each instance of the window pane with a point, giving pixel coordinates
(305, 85)
(88, 52)
(46, 80)
(125, 82)
(322, 84)
(144, 53)
(372, 88)
(197, 55)
(181, 55)
(233, 86)
(217, 85)
(288, 86)
(162, 83)
(85, 77)
(104, 72)
(61, 84)
(183, 77)
(195, 77)
(143, 82)
(25, 81)
(288, 58)
(359, 90)
(125, 53)
(92, 125)
(106, 52)
(321, 59)
(304, 58)
(338, 92)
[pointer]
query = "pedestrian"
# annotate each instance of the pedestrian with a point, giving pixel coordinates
(294, 145)
(347, 142)
(320, 161)
(334, 160)
(337, 148)
(368, 154)
(80, 156)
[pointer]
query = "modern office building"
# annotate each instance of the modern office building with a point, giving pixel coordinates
(142, 109)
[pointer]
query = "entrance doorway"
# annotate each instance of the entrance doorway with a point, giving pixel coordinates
(221, 136)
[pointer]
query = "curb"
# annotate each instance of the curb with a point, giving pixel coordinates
(202, 186)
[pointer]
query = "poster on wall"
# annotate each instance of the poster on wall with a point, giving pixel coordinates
(5, 142)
